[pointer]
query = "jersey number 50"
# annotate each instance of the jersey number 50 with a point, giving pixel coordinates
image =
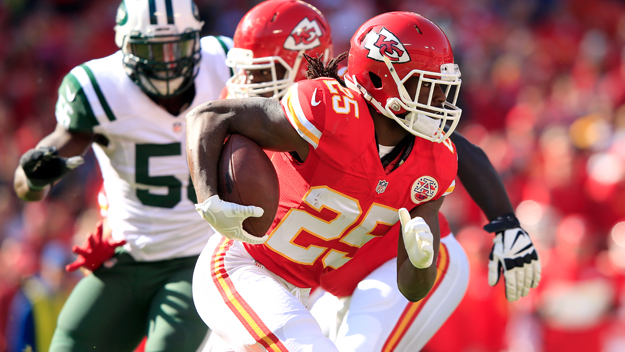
(143, 153)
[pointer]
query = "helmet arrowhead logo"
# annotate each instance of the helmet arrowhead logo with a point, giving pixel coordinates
(304, 36)
(386, 44)
(389, 48)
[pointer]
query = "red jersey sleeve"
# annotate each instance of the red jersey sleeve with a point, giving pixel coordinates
(452, 148)
(305, 107)
(328, 116)
(435, 166)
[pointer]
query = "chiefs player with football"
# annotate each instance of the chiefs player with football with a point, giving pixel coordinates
(330, 204)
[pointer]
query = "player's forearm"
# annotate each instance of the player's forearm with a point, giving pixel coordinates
(20, 184)
(206, 131)
(480, 179)
(415, 283)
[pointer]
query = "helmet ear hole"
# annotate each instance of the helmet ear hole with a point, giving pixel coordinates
(375, 79)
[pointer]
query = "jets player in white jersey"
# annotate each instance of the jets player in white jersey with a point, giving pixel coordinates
(130, 107)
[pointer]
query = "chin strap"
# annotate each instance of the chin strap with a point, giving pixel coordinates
(352, 83)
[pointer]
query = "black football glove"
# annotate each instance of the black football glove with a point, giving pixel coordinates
(43, 166)
(513, 253)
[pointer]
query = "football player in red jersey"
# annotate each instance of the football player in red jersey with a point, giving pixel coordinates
(263, 67)
(269, 46)
(336, 194)
(378, 317)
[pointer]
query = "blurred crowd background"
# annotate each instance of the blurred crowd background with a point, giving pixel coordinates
(543, 94)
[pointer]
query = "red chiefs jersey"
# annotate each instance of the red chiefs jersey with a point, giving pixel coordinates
(341, 197)
(343, 281)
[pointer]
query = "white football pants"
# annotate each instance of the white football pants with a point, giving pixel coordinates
(377, 317)
(249, 307)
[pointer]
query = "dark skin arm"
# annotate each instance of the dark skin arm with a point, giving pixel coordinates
(261, 120)
(480, 179)
(67, 143)
(485, 187)
(415, 283)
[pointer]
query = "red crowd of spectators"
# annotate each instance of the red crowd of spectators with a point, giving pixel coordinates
(543, 94)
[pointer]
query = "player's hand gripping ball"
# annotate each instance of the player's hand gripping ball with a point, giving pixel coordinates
(418, 239)
(249, 193)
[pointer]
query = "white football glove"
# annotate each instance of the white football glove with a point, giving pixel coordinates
(514, 253)
(418, 239)
(227, 218)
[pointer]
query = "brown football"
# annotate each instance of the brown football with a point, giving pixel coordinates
(247, 177)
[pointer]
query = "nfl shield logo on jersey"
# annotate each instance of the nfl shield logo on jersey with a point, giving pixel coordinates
(424, 189)
(381, 186)
(177, 127)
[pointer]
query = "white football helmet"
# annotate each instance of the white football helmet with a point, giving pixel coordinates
(160, 40)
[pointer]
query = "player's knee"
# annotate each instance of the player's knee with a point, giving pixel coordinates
(323, 344)
(304, 330)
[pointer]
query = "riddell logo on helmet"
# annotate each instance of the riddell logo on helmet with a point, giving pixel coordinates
(386, 44)
(304, 36)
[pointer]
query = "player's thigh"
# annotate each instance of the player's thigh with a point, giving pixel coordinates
(174, 324)
(101, 313)
(328, 311)
(437, 306)
(214, 343)
(248, 306)
(381, 318)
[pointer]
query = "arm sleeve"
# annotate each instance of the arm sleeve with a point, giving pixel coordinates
(480, 179)
(450, 189)
(73, 110)
(305, 108)
(454, 161)
(226, 44)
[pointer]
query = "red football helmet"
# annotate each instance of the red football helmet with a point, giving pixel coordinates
(274, 33)
(391, 48)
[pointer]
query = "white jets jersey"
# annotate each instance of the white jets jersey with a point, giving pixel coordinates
(144, 166)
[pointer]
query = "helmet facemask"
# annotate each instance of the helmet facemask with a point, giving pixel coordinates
(242, 62)
(163, 65)
(422, 119)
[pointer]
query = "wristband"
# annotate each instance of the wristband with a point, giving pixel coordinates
(502, 222)
(32, 187)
